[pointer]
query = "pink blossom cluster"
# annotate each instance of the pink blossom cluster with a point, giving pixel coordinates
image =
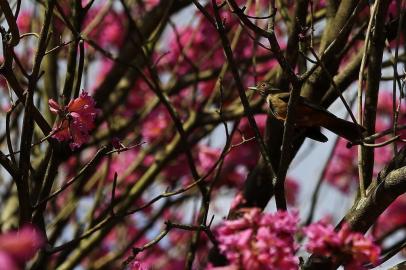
(260, 241)
(353, 246)
(109, 32)
(24, 21)
(16, 248)
(75, 120)
(201, 43)
(196, 47)
(155, 124)
(122, 164)
(137, 266)
(266, 241)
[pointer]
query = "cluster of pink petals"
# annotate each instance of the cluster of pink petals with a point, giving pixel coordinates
(24, 21)
(16, 248)
(196, 46)
(355, 247)
(207, 157)
(109, 32)
(155, 125)
(137, 266)
(120, 164)
(266, 241)
(76, 120)
(260, 241)
(292, 189)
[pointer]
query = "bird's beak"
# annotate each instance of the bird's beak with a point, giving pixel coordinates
(253, 88)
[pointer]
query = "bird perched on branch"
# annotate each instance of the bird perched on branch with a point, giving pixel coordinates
(308, 115)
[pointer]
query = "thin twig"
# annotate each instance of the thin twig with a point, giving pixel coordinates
(376, 145)
(359, 103)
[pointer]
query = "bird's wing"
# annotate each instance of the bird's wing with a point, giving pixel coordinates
(284, 97)
(307, 103)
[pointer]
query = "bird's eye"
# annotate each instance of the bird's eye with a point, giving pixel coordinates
(263, 84)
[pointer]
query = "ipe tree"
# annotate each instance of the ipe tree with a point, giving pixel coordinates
(131, 138)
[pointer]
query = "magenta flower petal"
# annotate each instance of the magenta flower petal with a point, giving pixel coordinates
(7, 262)
(21, 245)
(77, 119)
(54, 106)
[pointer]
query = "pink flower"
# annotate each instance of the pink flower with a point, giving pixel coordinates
(110, 31)
(322, 239)
(260, 241)
(197, 46)
(155, 124)
(76, 120)
(18, 247)
(7, 262)
(140, 95)
(122, 163)
(207, 157)
(24, 21)
(237, 201)
(325, 241)
(137, 266)
(292, 189)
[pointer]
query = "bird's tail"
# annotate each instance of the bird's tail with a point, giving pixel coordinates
(346, 129)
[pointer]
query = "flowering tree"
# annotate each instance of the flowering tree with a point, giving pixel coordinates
(127, 124)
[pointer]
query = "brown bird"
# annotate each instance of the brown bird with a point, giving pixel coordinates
(309, 116)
